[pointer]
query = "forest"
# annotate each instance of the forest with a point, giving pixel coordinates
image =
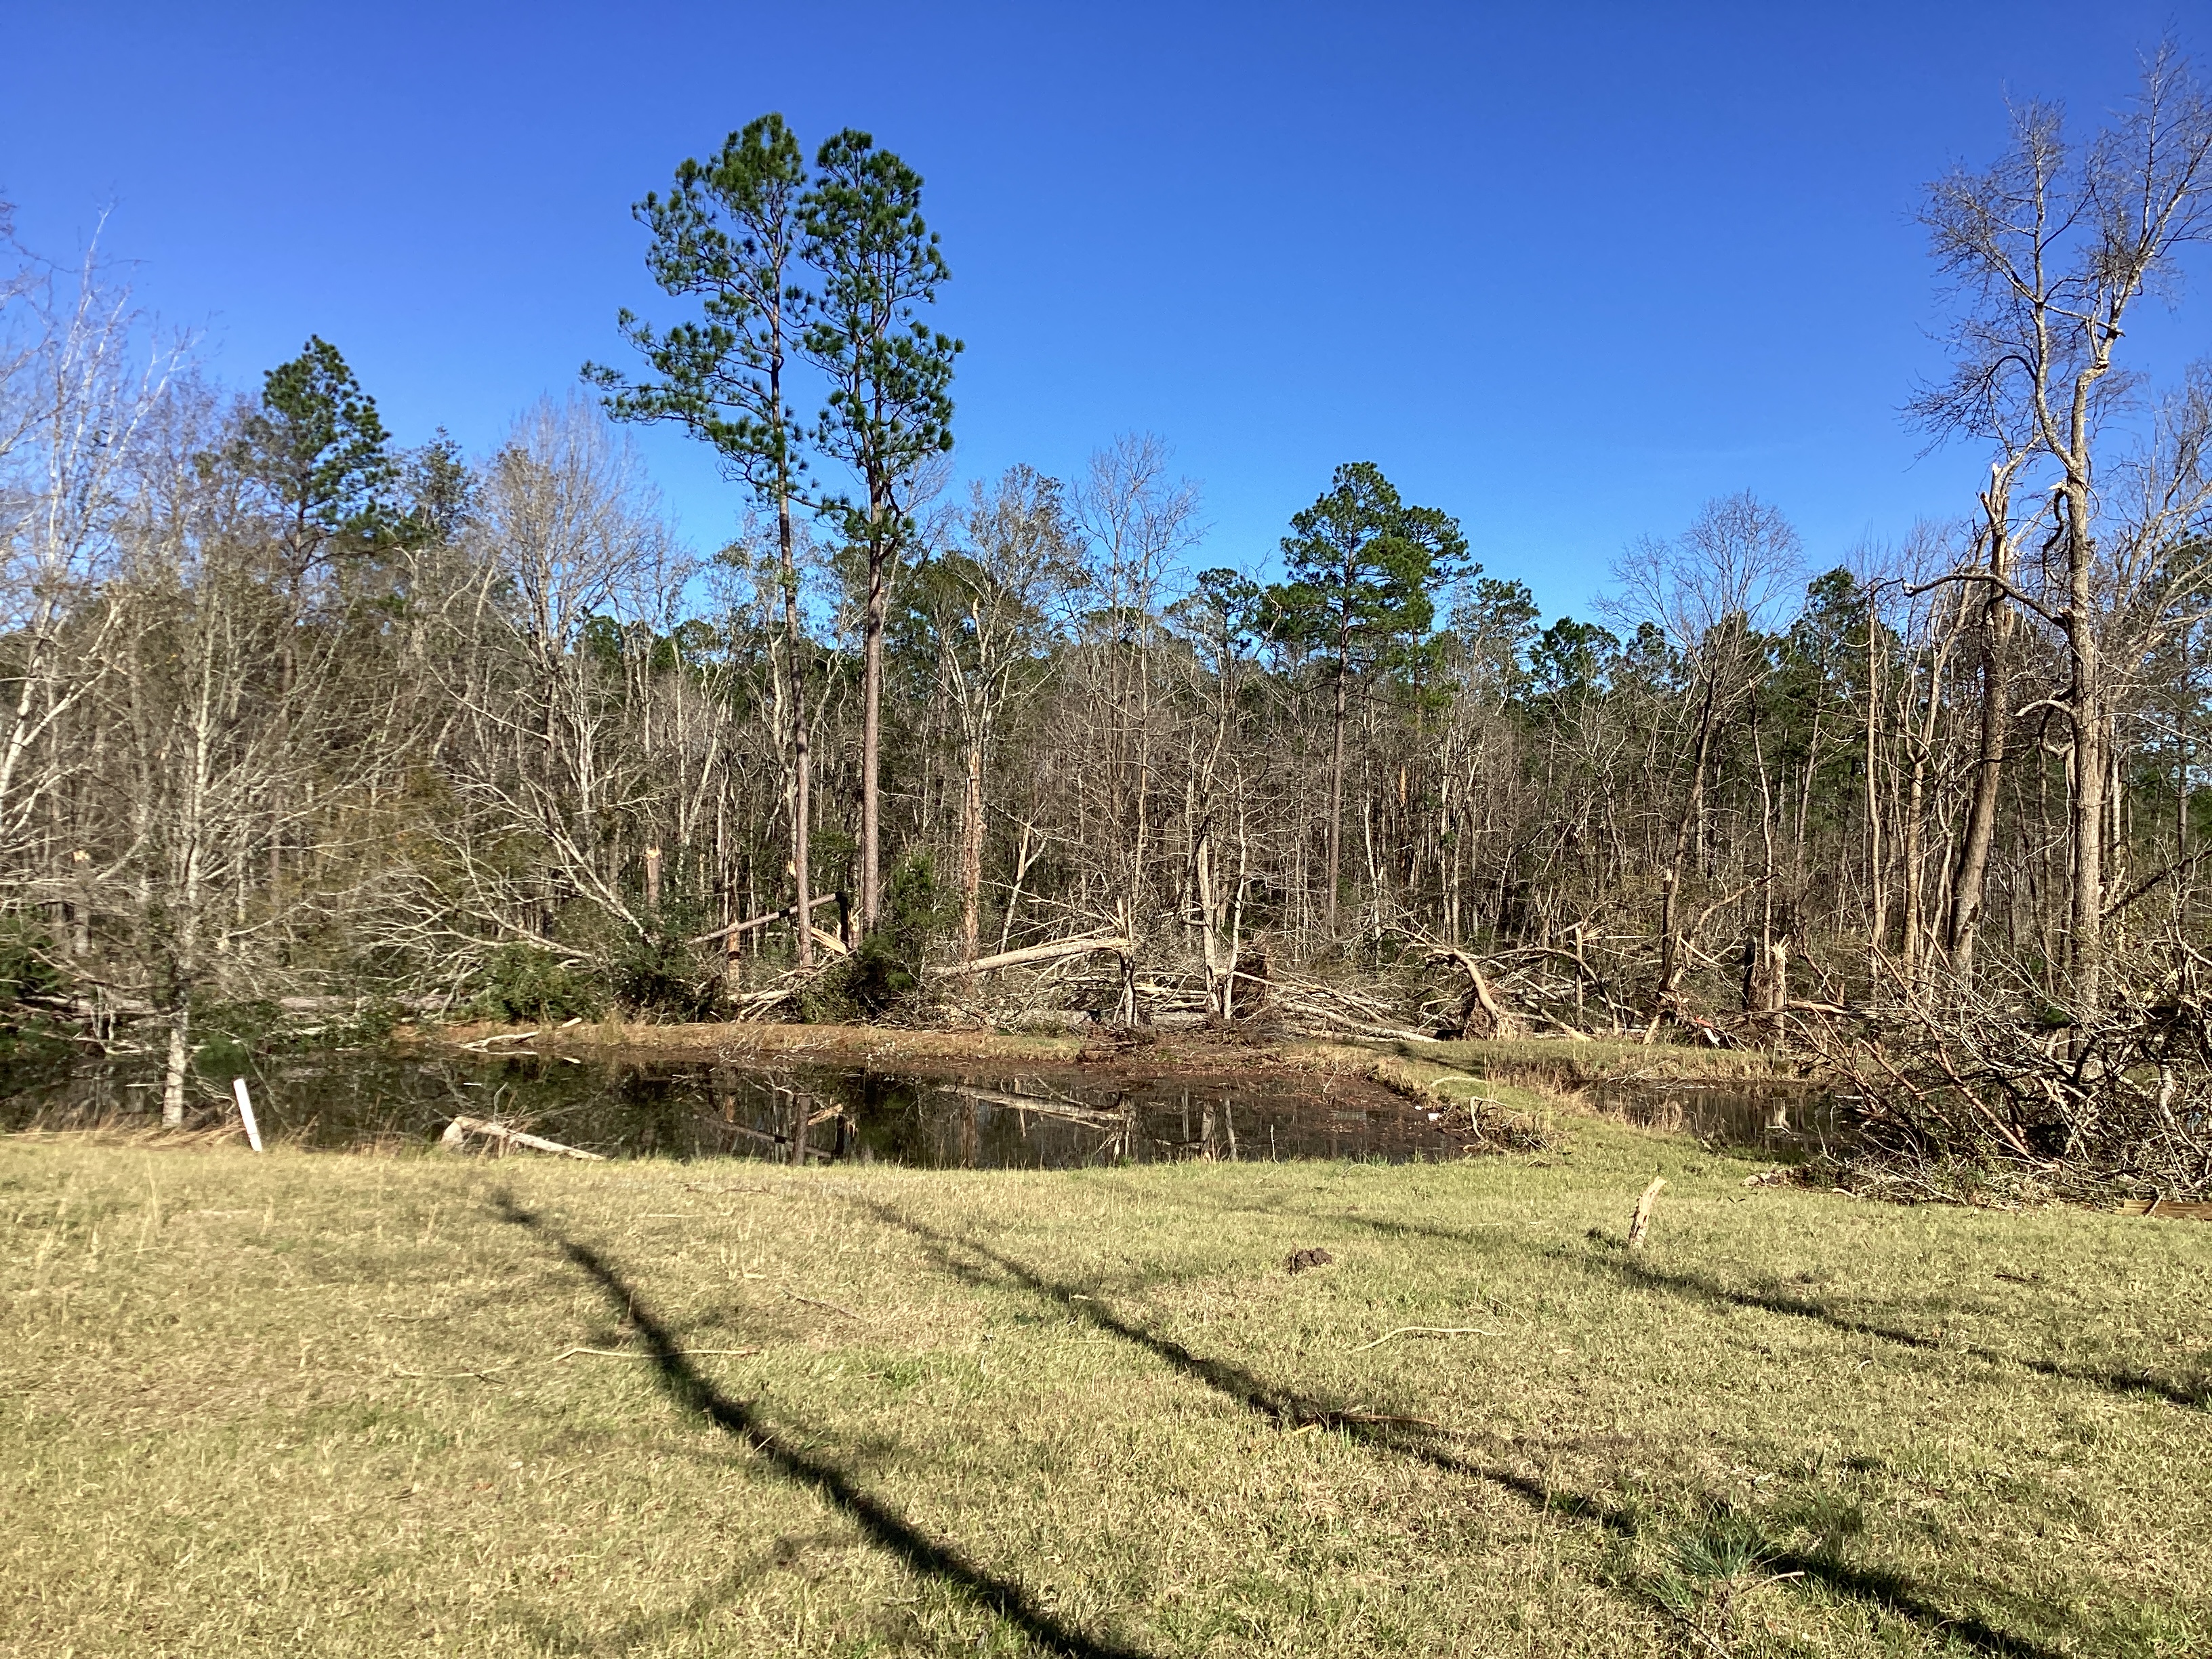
(301, 720)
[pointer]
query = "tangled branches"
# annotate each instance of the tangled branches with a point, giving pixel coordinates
(2081, 1100)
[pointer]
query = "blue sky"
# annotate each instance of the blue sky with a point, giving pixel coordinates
(1565, 272)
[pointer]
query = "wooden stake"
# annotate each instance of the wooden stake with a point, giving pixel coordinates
(1640, 1223)
(246, 1113)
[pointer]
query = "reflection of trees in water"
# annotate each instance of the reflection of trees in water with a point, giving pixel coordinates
(1749, 1113)
(819, 1114)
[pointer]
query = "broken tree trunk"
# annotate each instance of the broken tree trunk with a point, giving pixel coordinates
(784, 914)
(1501, 1024)
(459, 1131)
(1029, 953)
(1640, 1223)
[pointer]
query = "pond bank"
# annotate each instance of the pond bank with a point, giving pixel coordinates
(1556, 1063)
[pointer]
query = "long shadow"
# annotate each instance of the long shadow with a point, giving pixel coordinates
(1878, 1587)
(1284, 1407)
(2137, 1383)
(695, 1393)
(1699, 1287)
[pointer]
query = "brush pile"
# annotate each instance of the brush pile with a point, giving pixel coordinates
(2013, 1095)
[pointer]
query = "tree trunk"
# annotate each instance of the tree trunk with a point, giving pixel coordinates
(1913, 874)
(1336, 793)
(2087, 926)
(179, 1061)
(2087, 700)
(800, 760)
(971, 851)
(872, 700)
(1877, 898)
(1672, 965)
(1981, 827)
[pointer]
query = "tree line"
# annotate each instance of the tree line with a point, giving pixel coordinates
(293, 711)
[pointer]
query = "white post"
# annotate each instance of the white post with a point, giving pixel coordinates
(245, 1112)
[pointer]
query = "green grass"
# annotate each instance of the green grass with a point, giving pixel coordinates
(310, 1404)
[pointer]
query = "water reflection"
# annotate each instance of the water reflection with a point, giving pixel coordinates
(793, 1113)
(785, 1114)
(1779, 1116)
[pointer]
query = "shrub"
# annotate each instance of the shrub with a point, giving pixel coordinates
(27, 964)
(886, 968)
(661, 977)
(522, 983)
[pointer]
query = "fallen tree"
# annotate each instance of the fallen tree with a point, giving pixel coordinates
(459, 1131)
(2073, 1100)
(1033, 955)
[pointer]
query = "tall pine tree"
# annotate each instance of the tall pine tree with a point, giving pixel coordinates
(889, 407)
(1363, 568)
(728, 234)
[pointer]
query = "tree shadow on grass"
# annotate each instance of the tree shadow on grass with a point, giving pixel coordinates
(1704, 1288)
(1701, 1287)
(1878, 1587)
(695, 1393)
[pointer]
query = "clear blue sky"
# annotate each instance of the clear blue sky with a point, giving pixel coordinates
(1563, 271)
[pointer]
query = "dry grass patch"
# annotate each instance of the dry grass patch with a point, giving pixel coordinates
(362, 1405)
(1560, 1062)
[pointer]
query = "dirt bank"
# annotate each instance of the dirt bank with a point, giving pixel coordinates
(1550, 1064)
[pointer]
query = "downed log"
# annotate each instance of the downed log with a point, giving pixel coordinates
(507, 1037)
(2167, 1206)
(1094, 945)
(1502, 1024)
(784, 914)
(459, 1131)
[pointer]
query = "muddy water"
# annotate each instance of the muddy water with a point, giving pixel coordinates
(984, 1119)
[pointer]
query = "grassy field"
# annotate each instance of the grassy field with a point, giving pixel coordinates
(353, 1405)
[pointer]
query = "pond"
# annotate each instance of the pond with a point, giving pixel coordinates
(987, 1118)
(1781, 1115)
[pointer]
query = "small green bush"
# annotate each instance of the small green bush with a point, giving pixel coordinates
(661, 977)
(522, 983)
(27, 964)
(887, 967)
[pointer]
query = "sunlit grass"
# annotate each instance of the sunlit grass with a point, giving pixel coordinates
(1555, 1059)
(330, 1405)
